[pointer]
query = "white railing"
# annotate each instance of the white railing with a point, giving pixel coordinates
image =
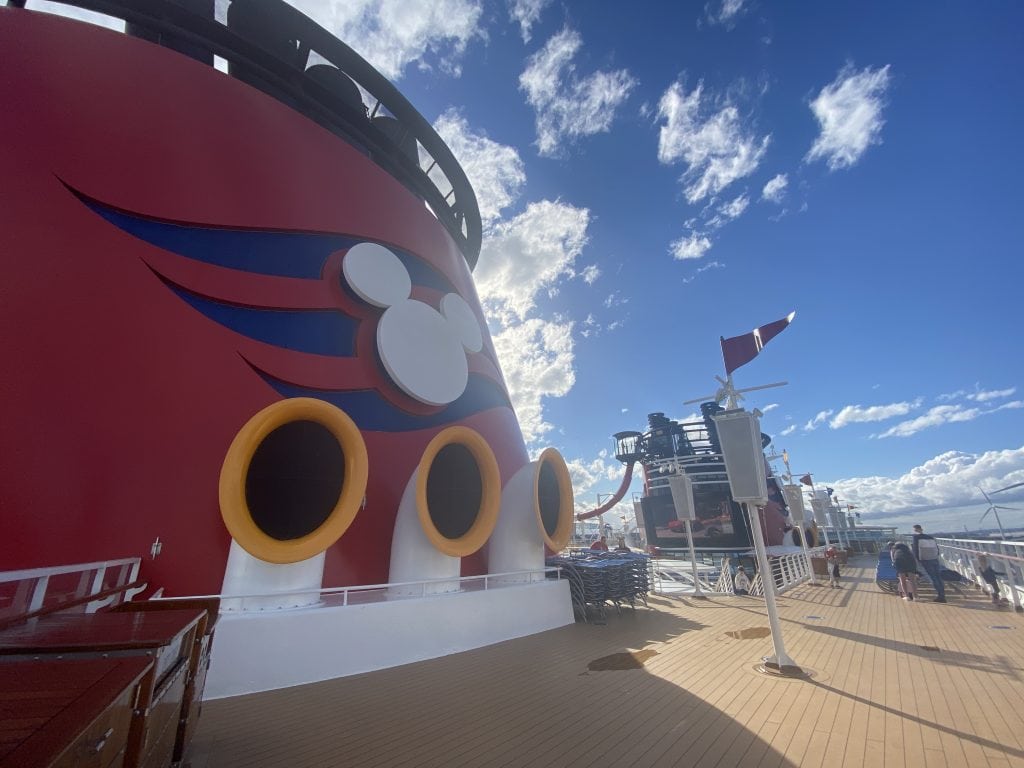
(378, 593)
(676, 575)
(791, 570)
(1005, 557)
(31, 590)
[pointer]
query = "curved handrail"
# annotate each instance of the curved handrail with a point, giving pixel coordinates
(457, 209)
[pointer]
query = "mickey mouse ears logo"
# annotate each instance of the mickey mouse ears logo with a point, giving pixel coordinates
(423, 350)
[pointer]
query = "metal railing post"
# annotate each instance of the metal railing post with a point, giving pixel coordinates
(1011, 577)
(39, 594)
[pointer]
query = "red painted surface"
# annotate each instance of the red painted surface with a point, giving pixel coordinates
(119, 401)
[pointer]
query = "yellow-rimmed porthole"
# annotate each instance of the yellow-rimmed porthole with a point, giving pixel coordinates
(458, 491)
(293, 480)
(553, 500)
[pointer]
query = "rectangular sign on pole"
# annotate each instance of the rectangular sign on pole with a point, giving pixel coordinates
(795, 502)
(820, 511)
(682, 497)
(739, 432)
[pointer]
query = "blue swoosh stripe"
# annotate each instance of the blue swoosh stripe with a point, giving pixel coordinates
(282, 254)
(372, 412)
(317, 331)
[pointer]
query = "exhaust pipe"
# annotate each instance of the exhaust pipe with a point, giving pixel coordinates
(448, 511)
(291, 484)
(536, 513)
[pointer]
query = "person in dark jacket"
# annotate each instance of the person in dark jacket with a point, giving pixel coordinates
(989, 575)
(926, 551)
(906, 569)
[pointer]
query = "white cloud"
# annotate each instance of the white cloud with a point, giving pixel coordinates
(521, 258)
(849, 113)
(724, 12)
(817, 421)
(568, 106)
(978, 395)
(495, 170)
(994, 394)
(391, 34)
(590, 273)
(788, 430)
(526, 13)
(775, 189)
(729, 211)
(940, 414)
(949, 414)
(527, 254)
(716, 148)
(1012, 404)
(769, 407)
(852, 414)
(615, 299)
(537, 359)
(704, 268)
(949, 479)
(692, 247)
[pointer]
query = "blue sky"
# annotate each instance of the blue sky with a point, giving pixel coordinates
(656, 175)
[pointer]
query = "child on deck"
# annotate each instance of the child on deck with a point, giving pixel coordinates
(832, 561)
(741, 582)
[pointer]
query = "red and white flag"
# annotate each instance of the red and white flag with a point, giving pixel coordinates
(740, 350)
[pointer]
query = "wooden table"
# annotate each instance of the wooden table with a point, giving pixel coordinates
(166, 638)
(64, 713)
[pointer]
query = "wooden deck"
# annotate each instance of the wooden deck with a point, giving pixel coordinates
(892, 683)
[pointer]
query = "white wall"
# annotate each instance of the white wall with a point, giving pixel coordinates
(276, 649)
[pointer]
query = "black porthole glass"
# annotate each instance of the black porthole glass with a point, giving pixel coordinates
(454, 491)
(549, 497)
(295, 479)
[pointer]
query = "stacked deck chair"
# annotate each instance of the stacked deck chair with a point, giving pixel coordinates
(601, 578)
(885, 573)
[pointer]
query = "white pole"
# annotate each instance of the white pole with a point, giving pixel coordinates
(807, 552)
(781, 660)
(1011, 575)
(693, 559)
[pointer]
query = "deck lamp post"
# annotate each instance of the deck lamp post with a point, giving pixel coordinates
(682, 498)
(739, 433)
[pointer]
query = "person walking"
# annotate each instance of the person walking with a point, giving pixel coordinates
(906, 569)
(832, 562)
(926, 552)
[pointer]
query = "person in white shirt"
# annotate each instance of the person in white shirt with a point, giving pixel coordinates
(741, 582)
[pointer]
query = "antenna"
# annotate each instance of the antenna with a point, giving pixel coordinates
(729, 392)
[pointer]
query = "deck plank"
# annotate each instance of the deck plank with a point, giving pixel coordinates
(878, 693)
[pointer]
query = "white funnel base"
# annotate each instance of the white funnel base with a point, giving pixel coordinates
(247, 575)
(517, 544)
(414, 558)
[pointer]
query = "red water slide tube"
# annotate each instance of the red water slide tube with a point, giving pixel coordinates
(614, 499)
